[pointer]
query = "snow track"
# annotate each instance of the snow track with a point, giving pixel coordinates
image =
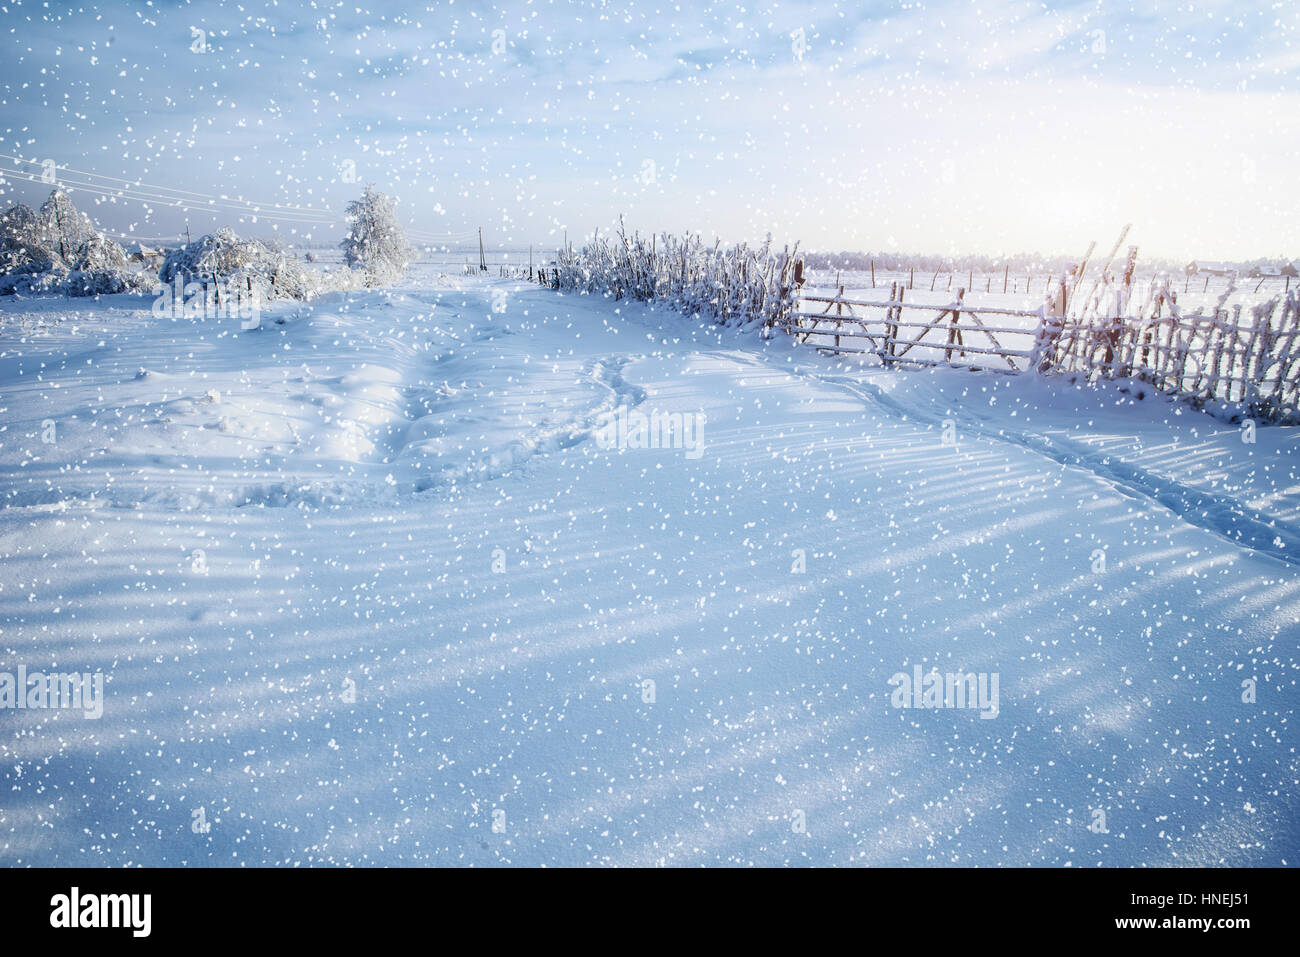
(1222, 515)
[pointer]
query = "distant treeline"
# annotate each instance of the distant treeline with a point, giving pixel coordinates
(1018, 264)
(1021, 264)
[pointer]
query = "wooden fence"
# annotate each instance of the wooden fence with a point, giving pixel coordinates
(897, 331)
(1241, 356)
(1247, 359)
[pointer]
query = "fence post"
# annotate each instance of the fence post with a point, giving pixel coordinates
(1257, 349)
(954, 336)
(839, 311)
(888, 349)
(1051, 321)
(898, 317)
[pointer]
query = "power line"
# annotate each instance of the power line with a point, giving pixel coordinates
(140, 186)
(213, 205)
(140, 191)
(171, 202)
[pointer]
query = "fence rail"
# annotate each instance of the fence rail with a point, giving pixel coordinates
(882, 323)
(1244, 358)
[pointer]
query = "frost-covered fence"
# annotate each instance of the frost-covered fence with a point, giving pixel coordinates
(897, 331)
(1235, 360)
(736, 284)
(1241, 357)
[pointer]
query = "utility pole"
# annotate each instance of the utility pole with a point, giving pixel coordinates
(482, 260)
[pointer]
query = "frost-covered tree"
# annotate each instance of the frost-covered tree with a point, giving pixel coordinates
(20, 239)
(99, 253)
(64, 228)
(58, 250)
(376, 242)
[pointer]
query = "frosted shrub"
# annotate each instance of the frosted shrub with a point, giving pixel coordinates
(738, 284)
(225, 257)
(101, 268)
(218, 254)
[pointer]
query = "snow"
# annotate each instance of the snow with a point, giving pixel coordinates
(365, 588)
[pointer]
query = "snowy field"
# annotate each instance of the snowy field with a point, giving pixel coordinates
(369, 586)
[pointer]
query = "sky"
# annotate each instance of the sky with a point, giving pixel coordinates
(949, 127)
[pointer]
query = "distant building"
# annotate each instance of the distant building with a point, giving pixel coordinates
(1265, 272)
(145, 255)
(1212, 267)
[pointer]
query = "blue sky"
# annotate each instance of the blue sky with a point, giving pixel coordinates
(931, 127)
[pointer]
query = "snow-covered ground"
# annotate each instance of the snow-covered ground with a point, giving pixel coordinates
(368, 586)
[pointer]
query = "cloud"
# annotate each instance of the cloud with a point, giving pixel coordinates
(545, 114)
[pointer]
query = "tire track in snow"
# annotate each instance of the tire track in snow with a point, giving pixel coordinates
(1225, 517)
